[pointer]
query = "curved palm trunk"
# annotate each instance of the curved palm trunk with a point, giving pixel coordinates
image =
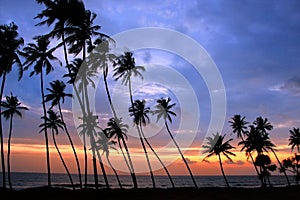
(114, 170)
(158, 158)
(85, 159)
(184, 160)
(102, 169)
(62, 160)
(8, 153)
(131, 165)
(222, 170)
(252, 160)
(72, 145)
(45, 130)
(129, 162)
(297, 173)
(147, 157)
(1, 135)
(108, 93)
(287, 179)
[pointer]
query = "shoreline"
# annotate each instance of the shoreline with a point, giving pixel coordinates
(155, 193)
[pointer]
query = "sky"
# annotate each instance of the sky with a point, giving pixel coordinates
(254, 45)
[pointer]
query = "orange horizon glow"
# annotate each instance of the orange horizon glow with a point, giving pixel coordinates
(26, 157)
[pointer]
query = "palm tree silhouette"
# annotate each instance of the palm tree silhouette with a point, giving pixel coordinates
(89, 128)
(163, 110)
(294, 141)
(12, 107)
(39, 55)
(54, 123)
(56, 95)
(125, 68)
(264, 162)
(239, 127)
(105, 144)
(216, 146)
(256, 141)
(263, 126)
(10, 42)
(140, 113)
(116, 129)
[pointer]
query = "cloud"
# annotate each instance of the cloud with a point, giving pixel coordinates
(292, 85)
(238, 162)
(190, 162)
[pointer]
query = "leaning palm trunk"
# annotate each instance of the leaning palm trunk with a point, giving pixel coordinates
(1, 135)
(184, 160)
(114, 170)
(222, 170)
(8, 152)
(252, 160)
(45, 130)
(147, 157)
(72, 145)
(287, 179)
(62, 160)
(158, 158)
(93, 144)
(67, 132)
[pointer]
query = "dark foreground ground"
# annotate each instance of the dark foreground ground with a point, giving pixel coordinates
(44, 193)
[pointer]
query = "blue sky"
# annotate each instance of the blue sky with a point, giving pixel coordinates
(255, 45)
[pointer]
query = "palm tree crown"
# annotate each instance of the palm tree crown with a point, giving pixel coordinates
(140, 112)
(216, 146)
(52, 121)
(163, 109)
(57, 93)
(12, 106)
(238, 125)
(295, 139)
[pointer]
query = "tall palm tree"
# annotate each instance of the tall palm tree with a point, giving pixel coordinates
(10, 43)
(125, 68)
(57, 94)
(140, 117)
(294, 140)
(256, 141)
(40, 56)
(54, 123)
(89, 128)
(116, 129)
(12, 106)
(216, 146)
(164, 110)
(263, 126)
(239, 127)
(105, 144)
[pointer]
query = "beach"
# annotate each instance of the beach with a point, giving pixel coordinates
(46, 193)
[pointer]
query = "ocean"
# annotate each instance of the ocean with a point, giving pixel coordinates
(21, 180)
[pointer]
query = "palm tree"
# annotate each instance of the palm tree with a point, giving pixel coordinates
(105, 144)
(117, 129)
(263, 126)
(125, 68)
(264, 162)
(10, 42)
(12, 106)
(216, 146)
(294, 140)
(238, 125)
(56, 95)
(39, 55)
(54, 123)
(163, 110)
(140, 117)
